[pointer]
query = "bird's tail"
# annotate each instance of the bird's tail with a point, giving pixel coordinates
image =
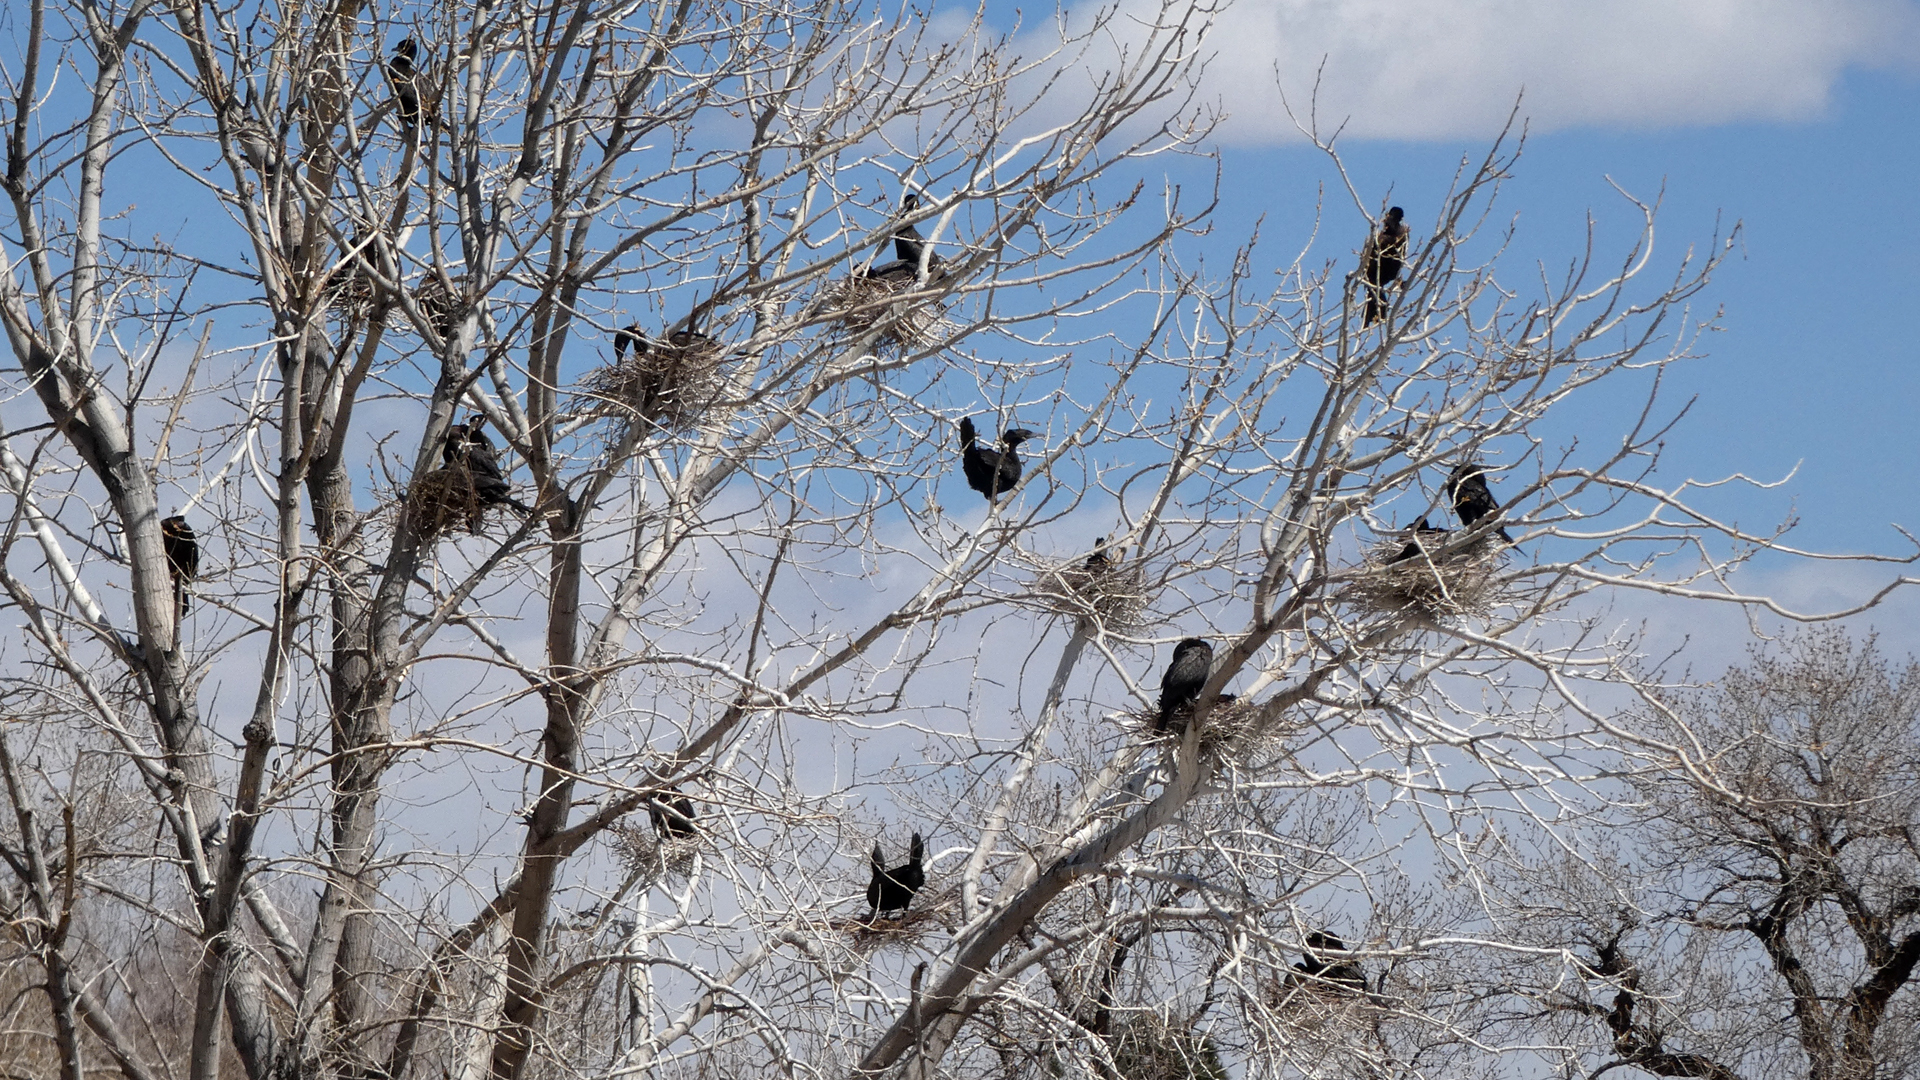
(1374, 307)
(182, 599)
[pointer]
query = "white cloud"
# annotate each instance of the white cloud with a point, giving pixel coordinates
(1422, 69)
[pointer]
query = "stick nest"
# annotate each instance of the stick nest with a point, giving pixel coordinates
(922, 916)
(1433, 584)
(444, 498)
(860, 302)
(1150, 1049)
(350, 291)
(1114, 591)
(1230, 724)
(662, 384)
(644, 851)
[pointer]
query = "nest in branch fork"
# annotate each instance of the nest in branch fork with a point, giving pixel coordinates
(443, 498)
(1230, 721)
(1148, 1047)
(349, 291)
(861, 301)
(641, 850)
(668, 384)
(1432, 583)
(905, 928)
(442, 306)
(1114, 592)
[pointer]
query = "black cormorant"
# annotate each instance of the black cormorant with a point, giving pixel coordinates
(1472, 499)
(1099, 561)
(183, 557)
(404, 76)
(672, 814)
(1315, 969)
(1424, 539)
(908, 245)
(1380, 263)
(992, 473)
(893, 890)
(1192, 664)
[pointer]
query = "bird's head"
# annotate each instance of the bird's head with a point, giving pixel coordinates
(879, 858)
(1321, 941)
(173, 524)
(1394, 215)
(1422, 525)
(911, 203)
(407, 49)
(1192, 644)
(1017, 436)
(1462, 473)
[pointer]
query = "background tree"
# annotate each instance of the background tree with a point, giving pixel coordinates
(1759, 911)
(378, 805)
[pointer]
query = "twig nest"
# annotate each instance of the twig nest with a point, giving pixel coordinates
(667, 384)
(1230, 722)
(862, 301)
(1413, 573)
(1148, 1048)
(1110, 590)
(643, 851)
(349, 291)
(441, 305)
(443, 498)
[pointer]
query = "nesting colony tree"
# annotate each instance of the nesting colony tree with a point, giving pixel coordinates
(376, 804)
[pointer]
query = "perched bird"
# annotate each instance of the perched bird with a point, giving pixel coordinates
(631, 337)
(183, 558)
(991, 472)
(672, 815)
(1424, 539)
(468, 446)
(893, 890)
(1472, 499)
(908, 246)
(1192, 664)
(1098, 562)
(1380, 263)
(402, 73)
(1315, 969)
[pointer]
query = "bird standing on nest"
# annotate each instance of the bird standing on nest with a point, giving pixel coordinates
(1314, 969)
(1424, 539)
(1472, 499)
(892, 890)
(1099, 562)
(1380, 263)
(1185, 676)
(632, 337)
(908, 247)
(672, 815)
(183, 558)
(992, 473)
(468, 447)
(405, 78)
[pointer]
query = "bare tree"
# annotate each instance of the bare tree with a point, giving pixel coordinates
(690, 544)
(1757, 913)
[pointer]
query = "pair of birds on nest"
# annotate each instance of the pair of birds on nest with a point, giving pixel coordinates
(1472, 500)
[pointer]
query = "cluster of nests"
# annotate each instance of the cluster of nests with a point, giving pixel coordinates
(350, 291)
(667, 383)
(1110, 590)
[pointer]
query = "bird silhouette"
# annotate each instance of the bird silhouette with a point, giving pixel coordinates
(183, 558)
(404, 76)
(1099, 561)
(1424, 539)
(672, 814)
(990, 472)
(468, 447)
(908, 246)
(893, 889)
(631, 337)
(1315, 969)
(1472, 499)
(1191, 665)
(1380, 263)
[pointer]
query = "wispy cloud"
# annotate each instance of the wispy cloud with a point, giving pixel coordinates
(1420, 69)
